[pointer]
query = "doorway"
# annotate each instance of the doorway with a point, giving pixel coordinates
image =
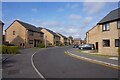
(96, 45)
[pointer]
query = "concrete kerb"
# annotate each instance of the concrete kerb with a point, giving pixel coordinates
(93, 61)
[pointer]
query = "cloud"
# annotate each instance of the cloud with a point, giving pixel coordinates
(34, 9)
(87, 20)
(51, 24)
(72, 6)
(60, 9)
(68, 6)
(74, 17)
(93, 7)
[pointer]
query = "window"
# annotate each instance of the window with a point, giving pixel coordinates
(106, 27)
(41, 35)
(117, 42)
(106, 43)
(13, 32)
(30, 41)
(31, 33)
(118, 24)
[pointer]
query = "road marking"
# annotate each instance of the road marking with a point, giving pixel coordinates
(36, 68)
(94, 61)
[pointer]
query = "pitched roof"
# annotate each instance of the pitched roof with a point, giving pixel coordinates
(40, 28)
(77, 38)
(113, 15)
(62, 35)
(1, 22)
(50, 31)
(29, 26)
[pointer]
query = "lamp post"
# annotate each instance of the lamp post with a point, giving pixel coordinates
(45, 41)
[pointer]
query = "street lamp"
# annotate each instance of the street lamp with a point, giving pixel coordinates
(45, 41)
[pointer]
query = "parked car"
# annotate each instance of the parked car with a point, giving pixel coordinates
(10, 45)
(75, 46)
(86, 47)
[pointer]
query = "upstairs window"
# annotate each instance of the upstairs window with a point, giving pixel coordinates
(13, 32)
(117, 42)
(41, 35)
(106, 43)
(31, 33)
(30, 41)
(118, 24)
(106, 27)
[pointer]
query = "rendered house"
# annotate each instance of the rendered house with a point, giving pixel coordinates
(50, 37)
(63, 39)
(106, 34)
(23, 34)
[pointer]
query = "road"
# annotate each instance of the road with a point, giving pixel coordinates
(53, 63)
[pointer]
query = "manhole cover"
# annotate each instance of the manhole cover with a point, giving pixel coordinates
(16, 71)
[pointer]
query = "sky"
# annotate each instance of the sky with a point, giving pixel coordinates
(68, 18)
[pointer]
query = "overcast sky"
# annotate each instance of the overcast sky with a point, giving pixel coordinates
(67, 18)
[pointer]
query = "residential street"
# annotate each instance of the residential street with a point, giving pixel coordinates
(53, 63)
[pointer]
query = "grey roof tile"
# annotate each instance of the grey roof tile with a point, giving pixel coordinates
(62, 35)
(52, 32)
(113, 15)
(29, 26)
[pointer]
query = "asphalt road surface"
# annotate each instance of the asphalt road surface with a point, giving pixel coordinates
(53, 63)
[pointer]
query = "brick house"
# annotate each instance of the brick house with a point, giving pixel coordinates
(23, 34)
(1, 32)
(106, 34)
(77, 41)
(63, 39)
(69, 41)
(50, 37)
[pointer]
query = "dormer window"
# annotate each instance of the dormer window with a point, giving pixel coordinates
(106, 27)
(13, 32)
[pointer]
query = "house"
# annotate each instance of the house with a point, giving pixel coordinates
(50, 37)
(77, 41)
(23, 34)
(106, 34)
(63, 39)
(69, 41)
(1, 32)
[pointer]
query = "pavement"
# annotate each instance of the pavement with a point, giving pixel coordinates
(96, 59)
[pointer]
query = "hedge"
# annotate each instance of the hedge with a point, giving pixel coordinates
(9, 49)
(40, 45)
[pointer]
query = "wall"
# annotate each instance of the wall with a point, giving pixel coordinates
(19, 36)
(48, 36)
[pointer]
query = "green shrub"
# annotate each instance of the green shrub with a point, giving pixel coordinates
(49, 43)
(119, 51)
(9, 49)
(61, 44)
(40, 45)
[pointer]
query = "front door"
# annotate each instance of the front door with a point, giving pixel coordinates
(96, 44)
(34, 43)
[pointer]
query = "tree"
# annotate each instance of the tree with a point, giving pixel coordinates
(70, 37)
